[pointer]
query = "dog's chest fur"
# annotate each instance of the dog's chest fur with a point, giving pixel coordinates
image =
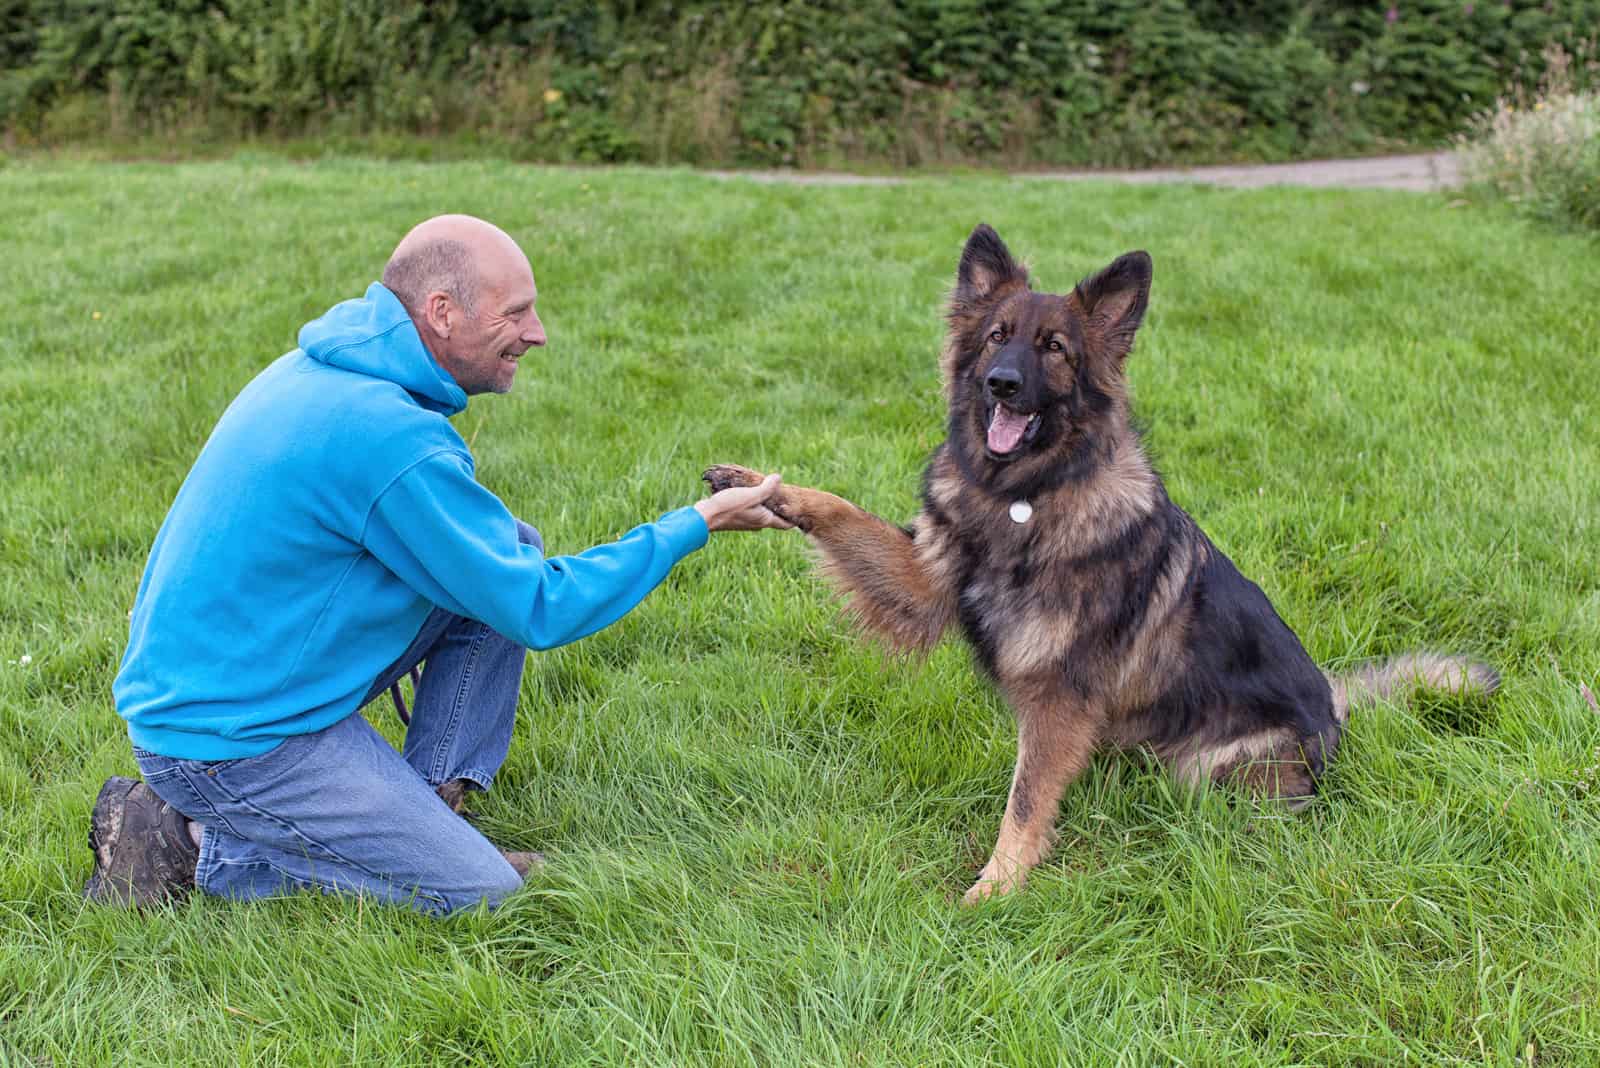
(1069, 583)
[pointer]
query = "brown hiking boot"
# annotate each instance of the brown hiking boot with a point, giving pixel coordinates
(454, 793)
(525, 863)
(143, 854)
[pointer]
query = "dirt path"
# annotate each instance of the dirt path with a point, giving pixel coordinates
(1420, 173)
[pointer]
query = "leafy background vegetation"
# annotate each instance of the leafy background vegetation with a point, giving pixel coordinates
(1380, 405)
(1540, 150)
(801, 82)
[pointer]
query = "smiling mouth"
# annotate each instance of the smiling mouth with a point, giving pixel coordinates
(1010, 430)
(511, 357)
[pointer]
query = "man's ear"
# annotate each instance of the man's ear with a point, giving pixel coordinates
(1115, 299)
(440, 312)
(986, 267)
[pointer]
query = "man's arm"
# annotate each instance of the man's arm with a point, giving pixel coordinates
(454, 542)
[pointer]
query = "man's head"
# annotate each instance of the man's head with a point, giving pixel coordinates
(470, 292)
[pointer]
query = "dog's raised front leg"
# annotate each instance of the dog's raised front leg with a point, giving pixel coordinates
(893, 578)
(1054, 744)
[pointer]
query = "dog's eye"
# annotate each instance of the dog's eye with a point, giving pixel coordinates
(1055, 346)
(997, 335)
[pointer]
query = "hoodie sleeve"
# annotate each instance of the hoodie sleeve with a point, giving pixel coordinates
(455, 543)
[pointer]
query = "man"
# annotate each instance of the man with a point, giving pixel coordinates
(329, 538)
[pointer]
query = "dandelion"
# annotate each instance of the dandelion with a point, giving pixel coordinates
(552, 95)
(96, 315)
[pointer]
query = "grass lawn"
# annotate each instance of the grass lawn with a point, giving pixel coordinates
(1381, 406)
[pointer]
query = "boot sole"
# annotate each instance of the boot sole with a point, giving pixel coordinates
(105, 820)
(152, 874)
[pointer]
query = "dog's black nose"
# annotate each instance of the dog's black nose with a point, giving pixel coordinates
(1004, 382)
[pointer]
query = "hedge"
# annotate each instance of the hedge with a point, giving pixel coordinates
(797, 82)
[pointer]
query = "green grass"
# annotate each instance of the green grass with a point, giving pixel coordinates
(1382, 407)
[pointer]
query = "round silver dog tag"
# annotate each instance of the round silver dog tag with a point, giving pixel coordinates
(1021, 511)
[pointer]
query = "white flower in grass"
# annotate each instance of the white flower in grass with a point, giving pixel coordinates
(26, 660)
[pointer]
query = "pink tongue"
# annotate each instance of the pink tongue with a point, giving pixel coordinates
(1006, 429)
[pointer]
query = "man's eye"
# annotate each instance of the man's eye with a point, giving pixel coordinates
(997, 335)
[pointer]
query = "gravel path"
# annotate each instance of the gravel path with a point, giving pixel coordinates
(1421, 173)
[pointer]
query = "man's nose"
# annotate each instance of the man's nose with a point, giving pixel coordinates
(534, 333)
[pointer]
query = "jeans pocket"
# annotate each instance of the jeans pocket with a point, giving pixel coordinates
(153, 767)
(170, 779)
(209, 767)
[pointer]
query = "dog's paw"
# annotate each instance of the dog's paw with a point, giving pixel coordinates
(990, 884)
(728, 476)
(786, 504)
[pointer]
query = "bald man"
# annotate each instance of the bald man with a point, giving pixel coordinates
(330, 538)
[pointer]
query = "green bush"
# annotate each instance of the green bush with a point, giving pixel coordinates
(1541, 151)
(803, 82)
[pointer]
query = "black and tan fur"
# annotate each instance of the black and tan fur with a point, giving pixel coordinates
(1108, 618)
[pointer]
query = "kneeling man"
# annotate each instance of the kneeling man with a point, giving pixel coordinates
(330, 538)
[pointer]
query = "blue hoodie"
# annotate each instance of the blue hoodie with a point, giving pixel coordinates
(333, 506)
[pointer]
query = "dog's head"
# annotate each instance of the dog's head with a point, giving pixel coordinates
(1031, 377)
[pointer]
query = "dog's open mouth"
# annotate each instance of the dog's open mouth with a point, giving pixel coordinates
(1009, 430)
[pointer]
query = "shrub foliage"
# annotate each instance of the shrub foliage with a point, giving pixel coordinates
(1541, 150)
(1108, 82)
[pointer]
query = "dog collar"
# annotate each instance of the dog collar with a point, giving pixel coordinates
(1021, 511)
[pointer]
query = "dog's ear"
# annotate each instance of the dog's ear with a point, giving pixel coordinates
(986, 267)
(1115, 299)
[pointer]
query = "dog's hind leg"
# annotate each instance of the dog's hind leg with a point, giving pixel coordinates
(1054, 744)
(1268, 764)
(892, 577)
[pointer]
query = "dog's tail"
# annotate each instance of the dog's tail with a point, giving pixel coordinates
(1382, 679)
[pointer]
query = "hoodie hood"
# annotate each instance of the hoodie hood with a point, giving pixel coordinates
(375, 336)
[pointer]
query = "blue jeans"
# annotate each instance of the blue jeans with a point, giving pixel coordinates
(340, 811)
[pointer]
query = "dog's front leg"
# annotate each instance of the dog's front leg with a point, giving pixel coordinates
(890, 576)
(1054, 744)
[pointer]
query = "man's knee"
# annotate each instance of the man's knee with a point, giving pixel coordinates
(494, 885)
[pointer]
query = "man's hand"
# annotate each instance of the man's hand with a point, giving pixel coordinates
(742, 508)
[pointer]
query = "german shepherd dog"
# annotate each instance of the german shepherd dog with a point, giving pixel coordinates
(1099, 608)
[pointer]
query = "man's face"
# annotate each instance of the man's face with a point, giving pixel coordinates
(483, 349)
